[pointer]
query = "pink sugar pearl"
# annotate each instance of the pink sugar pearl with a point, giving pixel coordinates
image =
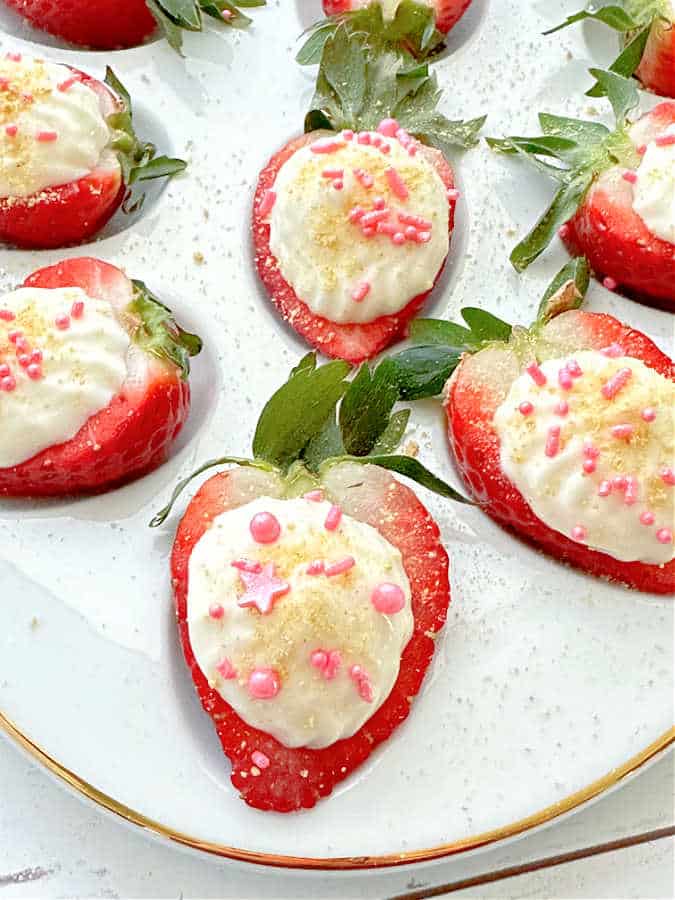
(216, 611)
(388, 598)
(647, 518)
(265, 528)
(579, 533)
(664, 536)
(226, 670)
(648, 414)
(259, 759)
(263, 684)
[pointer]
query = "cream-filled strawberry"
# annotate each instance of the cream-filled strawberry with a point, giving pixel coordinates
(93, 380)
(67, 152)
(298, 615)
(654, 183)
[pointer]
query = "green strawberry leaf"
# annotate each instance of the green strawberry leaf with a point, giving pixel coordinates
(566, 291)
(614, 16)
(627, 61)
(621, 92)
(311, 51)
(392, 435)
(297, 412)
(411, 468)
(484, 326)
(423, 371)
(436, 331)
(175, 16)
(324, 445)
(156, 332)
(366, 408)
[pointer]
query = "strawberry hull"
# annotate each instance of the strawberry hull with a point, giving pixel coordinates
(352, 342)
(448, 12)
(100, 24)
(657, 69)
(470, 405)
(298, 778)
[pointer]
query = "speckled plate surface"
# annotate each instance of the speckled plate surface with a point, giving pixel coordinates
(544, 680)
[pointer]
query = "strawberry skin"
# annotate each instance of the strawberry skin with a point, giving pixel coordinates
(607, 230)
(128, 438)
(448, 12)
(69, 213)
(298, 778)
(657, 69)
(471, 402)
(352, 342)
(100, 24)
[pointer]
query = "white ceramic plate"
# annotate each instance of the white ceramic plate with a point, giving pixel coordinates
(544, 680)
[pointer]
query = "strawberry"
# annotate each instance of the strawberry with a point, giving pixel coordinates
(112, 24)
(336, 123)
(65, 214)
(648, 32)
(446, 12)
(483, 362)
(131, 436)
(594, 207)
(300, 448)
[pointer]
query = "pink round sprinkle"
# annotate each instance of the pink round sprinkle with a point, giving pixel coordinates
(667, 475)
(36, 356)
(260, 760)
(610, 283)
(62, 322)
(8, 383)
(561, 408)
(553, 441)
(647, 518)
(21, 344)
(412, 149)
(376, 140)
(410, 232)
(319, 659)
(591, 451)
(369, 232)
(226, 670)
(216, 611)
(338, 185)
(348, 134)
(388, 598)
(613, 351)
(356, 213)
(423, 237)
(267, 203)
(526, 408)
(579, 533)
(536, 374)
(648, 414)
(630, 176)
(622, 432)
(34, 371)
(604, 488)
(565, 380)
(361, 291)
(642, 149)
(315, 496)
(385, 148)
(664, 536)
(317, 567)
(333, 518)
(589, 466)
(265, 528)
(4, 370)
(574, 368)
(379, 203)
(46, 137)
(340, 567)
(363, 137)
(263, 684)
(398, 238)
(11, 130)
(77, 309)
(388, 127)
(24, 360)
(14, 336)
(6, 315)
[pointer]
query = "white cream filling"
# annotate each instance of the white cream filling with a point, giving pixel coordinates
(326, 258)
(319, 612)
(48, 136)
(654, 190)
(82, 368)
(557, 488)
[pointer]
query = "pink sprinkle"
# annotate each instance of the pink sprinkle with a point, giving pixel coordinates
(11, 130)
(333, 518)
(247, 565)
(265, 528)
(553, 441)
(334, 663)
(388, 127)
(416, 221)
(630, 176)
(376, 140)
(348, 134)
(396, 183)
(647, 518)
(610, 283)
(412, 150)
(398, 238)
(363, 137)
(362, 682)
(616, 383)
(315, 496)
(28, 98)
(340, 567)
(642, 149)
(45, 137)
(36, 356)
(226, 14)
(259, 759)
(8, 383)
(667, 475)
(388, 598)
(565, 380)
(4, 370)
(387, 228)
(632, 491)
(410, 232)
(317, 567)
(622, 432)
(536, 374)
(591, 451)
(403, 137)
(263, 684)
(34, 371)
(62, 322)
(589, 466)
(665, 140)
(267, 202)
(648, 414)
(369, 232)
(561, 408)
(14, 57)
(77, 309)
(6, 315)
(216, 611)
(21, 344)
(68, 83)
(379, 203)
(14, 336)
(4, 84)
(372, 218)
(23, 360)
(226, 670)
(604, 488)
(619, 483)
(423, 237)
(361, 291)
(327, 145)
(338, 185)
(356, 213)
(526, 408)
(319, 659)
(385, 148)
(613, 351)
(574, 368)
(563, 232)
(333, 173)
(664, 536)
(579, 533)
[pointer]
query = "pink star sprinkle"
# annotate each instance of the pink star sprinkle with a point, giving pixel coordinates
(553, 441)
(536, 374)
(318, 567)
(396, 183)
(630, 176)
(62, 322)
(260, 760)
(340, 567)
(667, 475)
(526, 408)
(388, 598)
(616, 383)
(579, 533)
(610, 283)
(247, 565)
(265, 528)
(388, 127)
(267, 202)
(333, 518)
(216, 611)
(362, 682)
(263, 684)
(647, 518)
(622, 432)
(613, 351)
(46, 137)
(664, 536)
(226, 670)
(262, 589)
(361, 291)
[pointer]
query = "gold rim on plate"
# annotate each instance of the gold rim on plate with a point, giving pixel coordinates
(543, 816)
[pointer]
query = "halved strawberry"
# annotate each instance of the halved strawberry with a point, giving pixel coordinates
(66, 214)
(133, 433)
(657, 67)
(353, 342)
(447, 12)
(593, 208)
(481, 381)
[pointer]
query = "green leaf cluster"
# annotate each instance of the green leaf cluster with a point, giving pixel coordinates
(156, 331)
(176, 16)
